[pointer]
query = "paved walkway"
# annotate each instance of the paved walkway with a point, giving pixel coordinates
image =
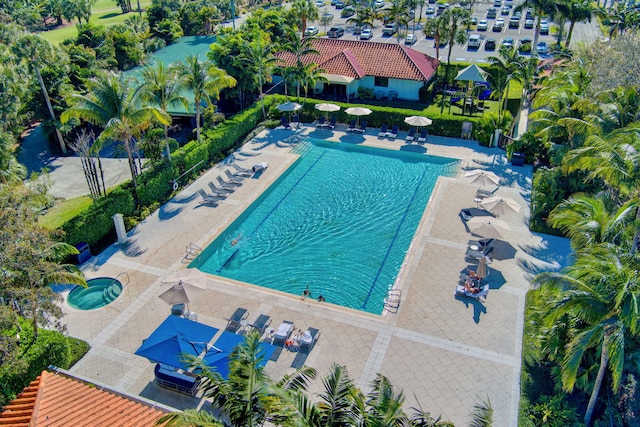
(445, 352)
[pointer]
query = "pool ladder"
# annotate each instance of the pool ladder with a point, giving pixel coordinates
(301, 148)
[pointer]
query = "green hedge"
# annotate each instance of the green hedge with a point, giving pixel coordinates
(51, 348)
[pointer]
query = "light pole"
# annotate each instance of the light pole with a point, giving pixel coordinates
(233, 14)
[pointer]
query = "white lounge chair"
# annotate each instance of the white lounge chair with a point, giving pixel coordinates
(283, 333)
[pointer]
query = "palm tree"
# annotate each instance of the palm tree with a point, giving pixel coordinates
(300, 47)
(36, 51)
(587, 220)
(619, 19)
(575, 11)
(118, 104)
(397, 13)
(205, 81)
(456, 34)
(539, 9)
(438, 29)
(166, 90)
(11, 171)
(305, 11)
(601, 290)
(260, 56)
(311, 75)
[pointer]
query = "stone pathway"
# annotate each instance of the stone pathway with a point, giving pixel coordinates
(443, 351)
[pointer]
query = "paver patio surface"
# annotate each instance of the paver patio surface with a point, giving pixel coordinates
(447, 352)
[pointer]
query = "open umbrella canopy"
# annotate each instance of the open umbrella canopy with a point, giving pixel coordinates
(175, 337)
(481, 177)
(487, 227)
(472, 73)
(192, 276)
(327, 107)
(358, 111)
(289, 106)
(417, 121)
(500, 206)
(218, 355)
(181, 293)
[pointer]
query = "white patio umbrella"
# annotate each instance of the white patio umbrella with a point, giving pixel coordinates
(487, 226)
(358, 111)
(289, 106)
(418, 121)
(327, 108)
(482, 177)
(500, 206)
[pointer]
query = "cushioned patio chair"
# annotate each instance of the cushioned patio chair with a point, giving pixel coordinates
(305, 343)
(362, 128)
(320, 123)
(383, 130)
(423, 135)
(477, 249)
(233, 322)
(332, 123)
(261, 323)
(352, 126)
(284, 122)
(411, 135)
(282, 334)
(393, 133)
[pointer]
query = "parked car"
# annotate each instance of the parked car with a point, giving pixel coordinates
(524, 45)
(544, 27)
(410, 39)
(528, 14)
(482, 25)
(430, 11)
(379, 4)
(528, 24)
(442, 7)
(389, 29)
(474, 41)
(505, 11)
(514, 23)
(339, 4)
(358, 29)
(327, 16)
(474, 20)
(498, 26)
(497, 3)
(320, 3)
(366, 34)
(335, 32)
(542, 48)
(507, 42)
(311, 31)
(347, 12)
(490, 44)
(492, 13)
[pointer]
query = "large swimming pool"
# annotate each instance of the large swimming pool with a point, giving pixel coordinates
(338, 222)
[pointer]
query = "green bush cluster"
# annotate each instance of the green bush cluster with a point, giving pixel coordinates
(50, 348)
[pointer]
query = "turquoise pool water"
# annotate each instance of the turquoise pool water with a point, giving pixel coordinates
(338, 222)
(99, 292)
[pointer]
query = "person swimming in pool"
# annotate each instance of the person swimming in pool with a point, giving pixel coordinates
(321, 298)
(236, 240)
(306, 293)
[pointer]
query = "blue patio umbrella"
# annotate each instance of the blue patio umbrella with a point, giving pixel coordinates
(175, 337)
(218, 356)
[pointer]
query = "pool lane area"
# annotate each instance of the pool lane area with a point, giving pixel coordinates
(337, 224)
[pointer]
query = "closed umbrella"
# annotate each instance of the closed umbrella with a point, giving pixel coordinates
(487, 227)
(358, 111)
(481, 271)
(500, 206)
(482, 177)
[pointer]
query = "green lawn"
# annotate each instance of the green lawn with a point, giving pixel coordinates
(63, 211)
(105, 12)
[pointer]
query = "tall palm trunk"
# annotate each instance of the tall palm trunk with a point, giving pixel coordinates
(604, 363)
(571, 25)
(47, 100)
(132, 163)
(166, 142)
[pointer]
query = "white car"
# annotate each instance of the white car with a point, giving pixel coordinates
(482, 25)
(366, 34)
(542, 48)
(311, 31)
(410, 39)
(320, 3)
(379, 3)
(544, 27)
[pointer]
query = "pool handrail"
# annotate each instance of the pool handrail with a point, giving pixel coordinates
(124, 274)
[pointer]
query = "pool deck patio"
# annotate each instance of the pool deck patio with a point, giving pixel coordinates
(446, 352)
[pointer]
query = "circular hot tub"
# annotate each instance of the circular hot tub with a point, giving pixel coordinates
(99, 292)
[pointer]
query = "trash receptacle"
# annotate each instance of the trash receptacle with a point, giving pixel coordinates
(517, 159)
(84, 255)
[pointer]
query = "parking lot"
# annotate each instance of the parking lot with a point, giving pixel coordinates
(460, 53)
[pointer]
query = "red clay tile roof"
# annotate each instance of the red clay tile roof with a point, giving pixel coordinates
(357, 59)
(56, 400)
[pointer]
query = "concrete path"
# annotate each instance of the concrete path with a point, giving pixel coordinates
(445, 352)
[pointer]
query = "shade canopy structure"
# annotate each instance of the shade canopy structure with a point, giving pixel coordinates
(289, 106)
(418, 121)
(482, 177)
(481, 271)
(218, 355)
(191, 276)
(500, 206)
(485, 226)
(472, 73)
(174, 338)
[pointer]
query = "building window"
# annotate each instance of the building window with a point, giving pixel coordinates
(381, 82)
